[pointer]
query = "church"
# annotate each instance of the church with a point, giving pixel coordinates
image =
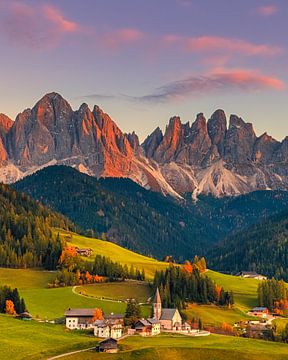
(170, 319)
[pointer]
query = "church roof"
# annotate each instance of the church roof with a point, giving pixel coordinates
(167, 314)
(157, 299)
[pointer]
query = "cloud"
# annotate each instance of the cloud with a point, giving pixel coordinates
(267, 10)
(121, 37)
(214, 44)
(36, 27)
(218, 81)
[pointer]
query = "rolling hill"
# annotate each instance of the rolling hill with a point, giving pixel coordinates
(125, 213)
(262, 247)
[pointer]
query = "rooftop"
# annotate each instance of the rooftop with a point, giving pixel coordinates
(79, 312)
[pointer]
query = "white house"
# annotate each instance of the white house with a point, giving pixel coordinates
(148, 327)
(79, 318)
(107, 329)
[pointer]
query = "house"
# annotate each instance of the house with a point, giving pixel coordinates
(260, 311)
(170, 319)
(251, 275)
(147, 327)
(107, 329)
(108, 345)
(24, 316)
(79, 318)
(87, 252)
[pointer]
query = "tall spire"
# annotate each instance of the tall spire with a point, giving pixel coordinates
(157, 299)
(157, 306)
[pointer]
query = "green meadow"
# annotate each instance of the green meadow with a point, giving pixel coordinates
(213, 347)
(116, 253)
(139, 290)
(34, 340)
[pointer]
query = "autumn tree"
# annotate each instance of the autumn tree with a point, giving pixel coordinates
(98, 314)
(9, 308)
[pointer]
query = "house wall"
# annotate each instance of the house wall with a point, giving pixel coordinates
(78, 322)
(177, 318)
(166, 324)
(72, 323)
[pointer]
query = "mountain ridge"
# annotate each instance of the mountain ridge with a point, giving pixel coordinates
(209, 157)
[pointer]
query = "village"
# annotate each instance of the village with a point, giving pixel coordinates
(111, 326)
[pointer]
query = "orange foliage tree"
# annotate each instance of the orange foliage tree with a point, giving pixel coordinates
(98, 314)
(9, 307)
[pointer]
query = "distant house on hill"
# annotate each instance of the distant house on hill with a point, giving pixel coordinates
(251, 275)
(148, 327)
(170, 319)
(79, 318)
(108, 345)
(259, 311)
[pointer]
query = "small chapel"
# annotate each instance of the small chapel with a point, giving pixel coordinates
(170, 319)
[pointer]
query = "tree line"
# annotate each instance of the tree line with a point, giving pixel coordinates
(73, 270)
(273, 294)
(178, 286)
(26, 238)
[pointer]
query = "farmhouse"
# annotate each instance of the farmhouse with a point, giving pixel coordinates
(149, 327)
(260, 311)
(251, 275)
(79, 318)
(108, 328)
(170, 319)
(108, 345)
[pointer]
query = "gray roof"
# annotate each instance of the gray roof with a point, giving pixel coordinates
(79, 312)
(167, 314)
(153, 321)
(114, 316)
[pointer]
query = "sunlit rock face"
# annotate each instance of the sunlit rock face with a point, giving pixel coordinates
(211, 157)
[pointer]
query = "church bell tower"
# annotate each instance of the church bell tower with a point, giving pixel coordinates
(157, 306)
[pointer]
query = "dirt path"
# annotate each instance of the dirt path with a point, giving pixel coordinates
(70, 353)
(93, 297)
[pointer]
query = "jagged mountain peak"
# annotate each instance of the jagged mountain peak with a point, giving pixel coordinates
(205, 157)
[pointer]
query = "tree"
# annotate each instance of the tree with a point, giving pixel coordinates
(132, 314)
(98, 314)
(9, 308)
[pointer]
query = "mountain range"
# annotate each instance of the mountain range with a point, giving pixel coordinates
(209, 157)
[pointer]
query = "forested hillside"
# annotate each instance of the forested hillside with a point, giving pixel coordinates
(262, 247)
(26, 238)
(123, 212)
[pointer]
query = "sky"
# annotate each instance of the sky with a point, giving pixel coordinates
(143, 61)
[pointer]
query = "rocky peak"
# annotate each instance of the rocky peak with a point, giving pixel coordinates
(133, 140)
(264, 148)
(217, 127)
(172, 138)
(239, 141)
(152, 142)
(5, 124)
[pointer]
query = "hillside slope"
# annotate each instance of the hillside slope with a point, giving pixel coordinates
(125, 213)
(263, 248)
(26, 231)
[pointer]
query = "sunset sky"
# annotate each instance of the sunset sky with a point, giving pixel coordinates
(144, 61)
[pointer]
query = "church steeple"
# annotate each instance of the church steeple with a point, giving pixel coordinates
(157, 306)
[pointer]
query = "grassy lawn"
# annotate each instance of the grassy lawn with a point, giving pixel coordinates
(138, 290)
(215, 315)
(213, 347)
(245, 290)
(32, 340)
(117, 253)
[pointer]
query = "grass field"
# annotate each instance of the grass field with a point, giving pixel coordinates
(244, 290)
(140, 291)
(213, 347)
(117, 253)
(33, 340)
(215, 315)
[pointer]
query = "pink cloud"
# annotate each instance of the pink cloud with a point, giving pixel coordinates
(217, 81)
(40, 26)
(267, 10)
(229, 45)
(55, 16)
(121, 37)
